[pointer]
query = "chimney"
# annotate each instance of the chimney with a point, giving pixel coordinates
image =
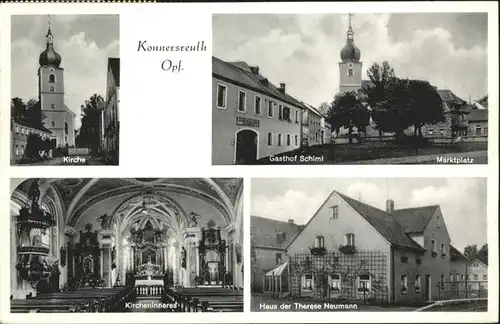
(389, 206)
(254, 69)
(290, 221)
(282, 87)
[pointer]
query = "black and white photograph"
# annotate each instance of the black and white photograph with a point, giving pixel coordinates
(65, 81)
(369, 244)
(126, 245)
(398, 88)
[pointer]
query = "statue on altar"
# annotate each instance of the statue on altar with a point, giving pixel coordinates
(193, 219)
(105, 221)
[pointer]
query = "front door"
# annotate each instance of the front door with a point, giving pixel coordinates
(428, 286)
(246, 146)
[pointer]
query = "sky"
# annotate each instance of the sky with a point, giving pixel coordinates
(462, 200)
(447, 49)
(84, 42)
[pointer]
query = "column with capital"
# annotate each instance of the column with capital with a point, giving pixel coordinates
(106, 243)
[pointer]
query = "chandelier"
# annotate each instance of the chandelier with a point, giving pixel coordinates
(147, 201)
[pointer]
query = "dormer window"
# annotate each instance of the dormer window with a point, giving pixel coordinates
(280, 237)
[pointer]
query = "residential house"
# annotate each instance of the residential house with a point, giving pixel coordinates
(478, 274)
(20, 130)
(109, 129)
(351, 250)
(312, 131)
(269, 238)
(478, 123)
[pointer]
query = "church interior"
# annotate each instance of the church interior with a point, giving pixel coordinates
(101, 245)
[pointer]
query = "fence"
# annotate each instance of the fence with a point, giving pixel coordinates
(338, 276)
(462, 289)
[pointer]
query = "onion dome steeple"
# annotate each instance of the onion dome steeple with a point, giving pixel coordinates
(350, 52)
(49, 56)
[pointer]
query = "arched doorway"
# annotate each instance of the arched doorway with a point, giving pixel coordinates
(246, 146)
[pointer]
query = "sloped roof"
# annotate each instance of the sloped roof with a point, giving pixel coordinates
(483, 101)
(478, 115)
(414, 220)
(240, 73)
(69, 110)
(278, 271)
(313, 109)
(383, 222)
(264, 232)
(114, 65)
(448, 96)
(26, 123)
(456, 255)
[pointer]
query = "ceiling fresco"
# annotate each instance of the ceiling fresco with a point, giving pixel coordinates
(230, 186)
(219, 191)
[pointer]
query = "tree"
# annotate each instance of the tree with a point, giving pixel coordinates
(380, 75)
(17, 108)
(347, 111)
(324, 107)
(34, 145)
(425, 105)
(89, 131)
(34, 113)
(470, 251)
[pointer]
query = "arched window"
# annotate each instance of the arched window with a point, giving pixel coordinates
(53, 123)
(350, 72)
(52, 78)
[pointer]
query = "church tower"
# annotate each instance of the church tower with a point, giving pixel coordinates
(58, 118)
(350, 67)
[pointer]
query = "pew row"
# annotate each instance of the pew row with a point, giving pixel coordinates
(81, 300)
(204, 299)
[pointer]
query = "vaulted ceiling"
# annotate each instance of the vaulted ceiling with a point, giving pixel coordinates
(79, 195)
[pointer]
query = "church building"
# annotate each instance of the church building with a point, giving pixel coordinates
(59, 119)
(351, 79)
(176, 241)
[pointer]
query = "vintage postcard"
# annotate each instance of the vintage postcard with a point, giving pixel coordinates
(340, 165)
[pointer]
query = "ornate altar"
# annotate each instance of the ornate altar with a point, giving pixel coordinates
(147, 243)
(86, 255)
(212, 252)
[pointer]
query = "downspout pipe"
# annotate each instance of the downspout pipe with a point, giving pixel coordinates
(392, 298)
